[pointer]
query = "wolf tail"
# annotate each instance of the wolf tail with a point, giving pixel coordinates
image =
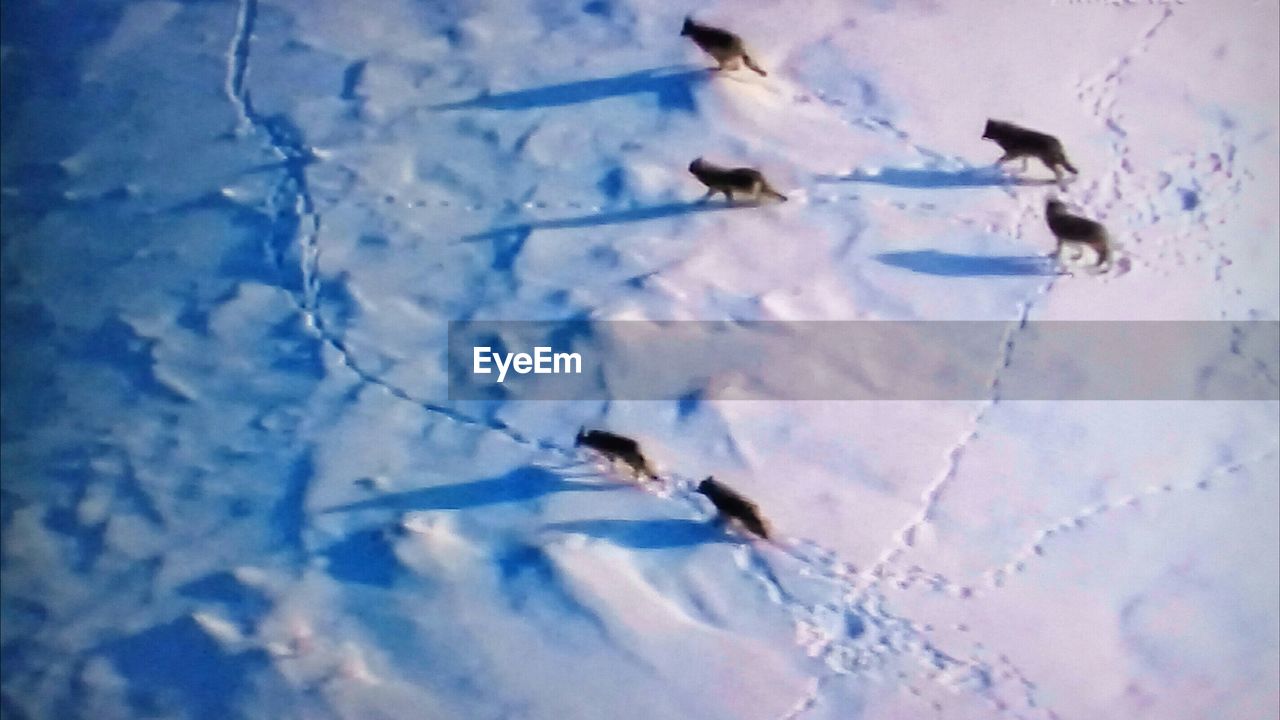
(746, 60)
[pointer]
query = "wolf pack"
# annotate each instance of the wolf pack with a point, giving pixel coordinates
(1071, 231)
(730, 504)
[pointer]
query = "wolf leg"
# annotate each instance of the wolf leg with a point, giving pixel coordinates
(1059, 266)
(746, 59)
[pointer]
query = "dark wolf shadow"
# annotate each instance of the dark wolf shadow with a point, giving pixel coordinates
(640, 214)
(525, 483)
(671, 85)
(648, 534)
(931, 178)
(932, 262)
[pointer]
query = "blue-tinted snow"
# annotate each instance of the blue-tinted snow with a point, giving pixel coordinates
(233, 234)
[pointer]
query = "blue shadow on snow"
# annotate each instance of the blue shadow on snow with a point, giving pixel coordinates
(648, 534)
(365, 557)
(178, 668)
(671, 85)
(932, 262)
(639, 214)
(525, 483)
(934, 178)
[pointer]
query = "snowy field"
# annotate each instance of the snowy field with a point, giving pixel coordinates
(234, 484)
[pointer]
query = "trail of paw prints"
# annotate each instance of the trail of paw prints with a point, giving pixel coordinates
(879, 125)
(296, 225)
(1100, 95)
(1170, 214)
(798, 94)
(1121, 184)
(810, 700)
(295, 222)
(1193, 194)
(817, 561)
(899, 651)
(849, 628)
(238, 59)
(800, 195)
(846, 632)
(998, 576)
(906, 538)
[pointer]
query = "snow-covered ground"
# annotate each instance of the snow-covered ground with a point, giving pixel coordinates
(234, 484)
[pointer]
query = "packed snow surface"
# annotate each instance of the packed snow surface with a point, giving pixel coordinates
(234, 484)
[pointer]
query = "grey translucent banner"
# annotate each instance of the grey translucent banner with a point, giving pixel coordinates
(863, 360)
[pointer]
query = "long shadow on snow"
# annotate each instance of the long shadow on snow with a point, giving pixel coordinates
(932, 262)
(671, 85)
(525, 483)
(930, 178)
(640, 214)
(648, 534)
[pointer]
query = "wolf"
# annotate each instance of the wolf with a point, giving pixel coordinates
(1077, 231)
(616, 447)
(734, 506)
(731, 180)
(724, 46)
(1019, 142)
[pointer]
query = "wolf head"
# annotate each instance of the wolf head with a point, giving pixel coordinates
(696, 165)
(1054, 206)
(688, 26)
(582, 434)
(706, 486)
(990, 128)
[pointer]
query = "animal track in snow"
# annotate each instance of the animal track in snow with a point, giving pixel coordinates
(906, 537)
(1123, 193)
(850, 629)
(998, 576)
(296, 223)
